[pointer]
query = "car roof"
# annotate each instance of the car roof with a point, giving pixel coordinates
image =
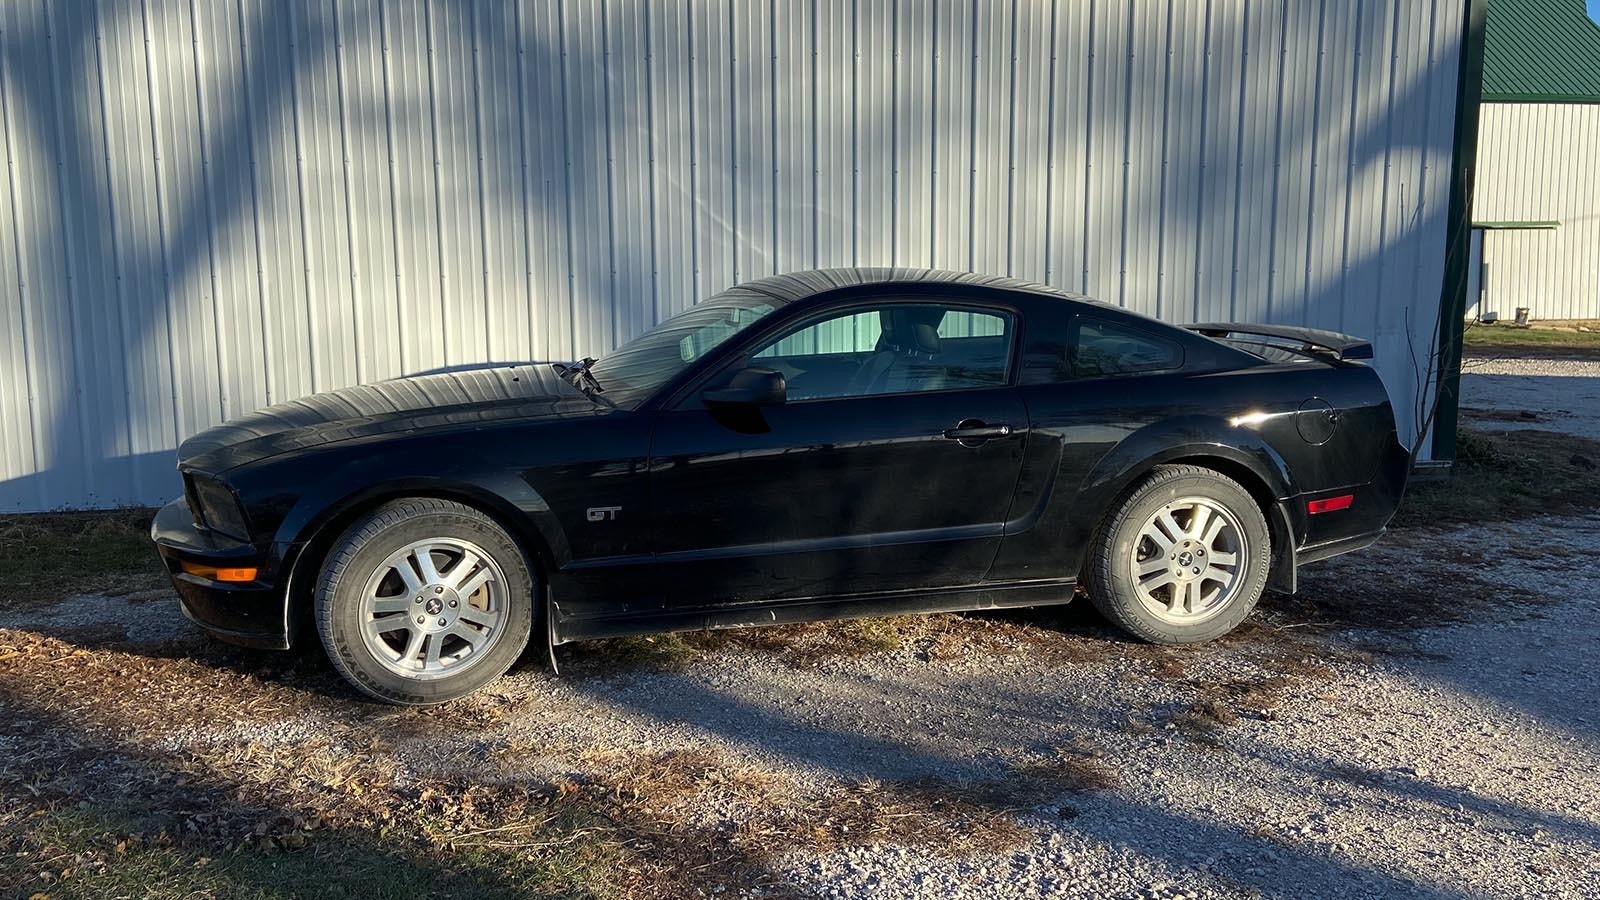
(794, 286)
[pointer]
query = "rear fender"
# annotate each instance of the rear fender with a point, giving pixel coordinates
(1241, 453)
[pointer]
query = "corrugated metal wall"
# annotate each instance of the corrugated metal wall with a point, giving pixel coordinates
(213, 205)
(1540, 162)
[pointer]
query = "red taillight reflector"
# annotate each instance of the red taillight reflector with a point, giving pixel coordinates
(218, 574)
(1330, 504)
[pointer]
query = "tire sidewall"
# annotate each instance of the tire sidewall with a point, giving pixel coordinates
(365, 546)
(1115, 579)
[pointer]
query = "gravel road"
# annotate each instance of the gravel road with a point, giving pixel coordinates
(1549, 394)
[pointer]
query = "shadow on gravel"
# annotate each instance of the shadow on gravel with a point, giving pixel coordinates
(1155, 833)
(1409, 788)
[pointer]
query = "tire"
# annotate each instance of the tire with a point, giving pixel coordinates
(398, 564)
(1181, 597)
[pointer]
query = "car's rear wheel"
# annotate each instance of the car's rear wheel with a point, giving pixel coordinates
(424, 600)
(1181, 558)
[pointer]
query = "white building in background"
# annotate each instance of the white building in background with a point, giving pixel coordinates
(211, 207)
(1536, 210)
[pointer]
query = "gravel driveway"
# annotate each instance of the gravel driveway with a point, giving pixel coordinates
(1549, 394)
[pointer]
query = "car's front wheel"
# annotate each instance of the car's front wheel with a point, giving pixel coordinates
(424, 600)
(1181, 558)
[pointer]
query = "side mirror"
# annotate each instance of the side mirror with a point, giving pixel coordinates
(749, 387)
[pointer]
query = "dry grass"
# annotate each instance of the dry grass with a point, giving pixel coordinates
(1507, 475)
(45, 557)
(940, 637)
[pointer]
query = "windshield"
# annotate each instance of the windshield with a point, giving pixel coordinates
(642, 366)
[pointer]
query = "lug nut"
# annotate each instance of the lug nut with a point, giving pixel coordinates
(441, 621)
(420, 620)
(452, 604)
(419, 599)
(1197, 571)
(438, 590)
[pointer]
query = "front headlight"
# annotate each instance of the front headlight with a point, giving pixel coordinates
(218, 508)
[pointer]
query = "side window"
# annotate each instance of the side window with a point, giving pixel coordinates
(1102, 348)
(892, 349)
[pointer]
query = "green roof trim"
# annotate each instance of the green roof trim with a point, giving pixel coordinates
(1541, 51)
(1527, 225)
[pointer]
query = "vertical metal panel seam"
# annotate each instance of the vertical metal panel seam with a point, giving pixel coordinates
(1200, 167)
(1427, 117)
(442, 287)
(1011, 149)
(855, 133)
(972, 149)
(611, 159)
(1350, 165)
(162, 190)
(356, 305)
(1088, 143)
(116, 255)
(1050, 151)
(79, 357)
(1311, 180)
(402, 332)
(694, 154)
(816, 167)
(491, 327)
(300, 198)
(222, 358)
(12, 161)
(522, 159)
(894, 132)
(1277, 157)
(1388, 159)
(933, 135)
(1166, 135)
(650, 143)
(1238, 163)
(772, 82)
(733, 138)
(1127, 157)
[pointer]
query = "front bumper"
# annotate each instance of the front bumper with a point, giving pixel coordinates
(254, 613)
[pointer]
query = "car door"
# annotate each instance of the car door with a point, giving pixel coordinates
(890, 466)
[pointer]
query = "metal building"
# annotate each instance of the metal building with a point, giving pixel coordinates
(1536, 213)
(214, 205)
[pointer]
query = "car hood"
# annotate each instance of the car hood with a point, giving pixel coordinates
(420, 402)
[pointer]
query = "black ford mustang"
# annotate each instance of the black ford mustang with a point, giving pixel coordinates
(819, 445)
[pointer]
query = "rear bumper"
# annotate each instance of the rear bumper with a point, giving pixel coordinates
(253, 614)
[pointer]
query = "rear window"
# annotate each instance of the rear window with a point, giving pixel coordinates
(1100, 349)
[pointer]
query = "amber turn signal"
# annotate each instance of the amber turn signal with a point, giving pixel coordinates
(219, 574)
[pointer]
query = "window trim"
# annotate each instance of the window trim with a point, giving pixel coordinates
(741, 356)
(1074, 329)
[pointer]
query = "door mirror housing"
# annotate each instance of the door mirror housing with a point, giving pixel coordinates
(750, 387)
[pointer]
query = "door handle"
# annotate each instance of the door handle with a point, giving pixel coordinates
(972, 432)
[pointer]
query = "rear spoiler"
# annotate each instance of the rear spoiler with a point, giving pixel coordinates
(1342, 346)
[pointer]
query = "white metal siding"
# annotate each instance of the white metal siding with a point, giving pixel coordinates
(212, 205)
(1540, 162)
